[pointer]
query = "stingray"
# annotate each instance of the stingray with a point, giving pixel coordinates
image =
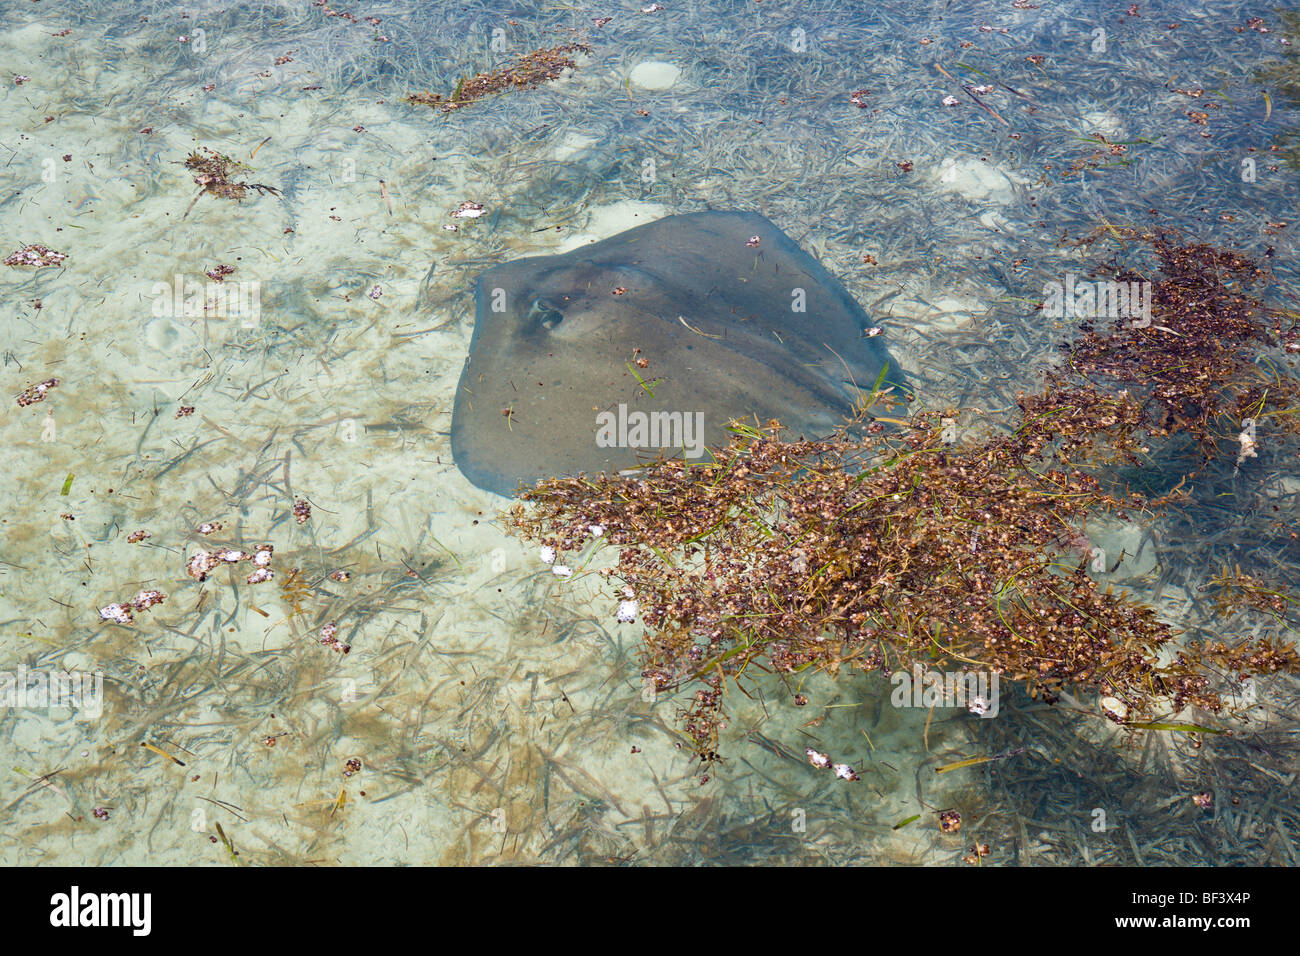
(646, 344)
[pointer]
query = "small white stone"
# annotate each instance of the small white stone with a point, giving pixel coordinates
(627, 611)
(547, 554)
(596, 530)
(654, 75)
(561, 570)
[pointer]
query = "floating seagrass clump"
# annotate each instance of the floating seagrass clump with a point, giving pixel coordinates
(528, 71)
(941, 555)
(1210, 359)
(212, 175)
(912, 549)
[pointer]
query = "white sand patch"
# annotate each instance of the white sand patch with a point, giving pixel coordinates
(977, 180)
(655, 75)
(606, 221)
(24, 41)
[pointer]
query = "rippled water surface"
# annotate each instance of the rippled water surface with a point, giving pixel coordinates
(933, 156)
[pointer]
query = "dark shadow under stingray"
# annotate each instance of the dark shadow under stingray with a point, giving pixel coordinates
(648, 343)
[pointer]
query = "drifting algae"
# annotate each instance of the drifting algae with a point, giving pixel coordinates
(212, 175)
(528, 71)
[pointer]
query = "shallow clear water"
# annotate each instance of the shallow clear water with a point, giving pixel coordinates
(496, 710)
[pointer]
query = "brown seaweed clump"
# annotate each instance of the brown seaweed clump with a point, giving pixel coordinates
(1204, 367)
(911, 549)
(528, 71)
(785, 555)
(212, 175)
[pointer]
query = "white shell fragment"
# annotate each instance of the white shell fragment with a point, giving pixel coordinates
(199, 564)
(147, 599)
(117, 613)
(1114, 709)
(329, 637)
(467, 210)
(823, 762)
(818, 759)
(124, 613)
(1248, 446)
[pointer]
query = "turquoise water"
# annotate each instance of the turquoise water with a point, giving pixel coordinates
(496, 710)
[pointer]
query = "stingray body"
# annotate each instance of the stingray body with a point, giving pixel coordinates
(648, 343)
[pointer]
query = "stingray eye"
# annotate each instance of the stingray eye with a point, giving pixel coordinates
(545, 314)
